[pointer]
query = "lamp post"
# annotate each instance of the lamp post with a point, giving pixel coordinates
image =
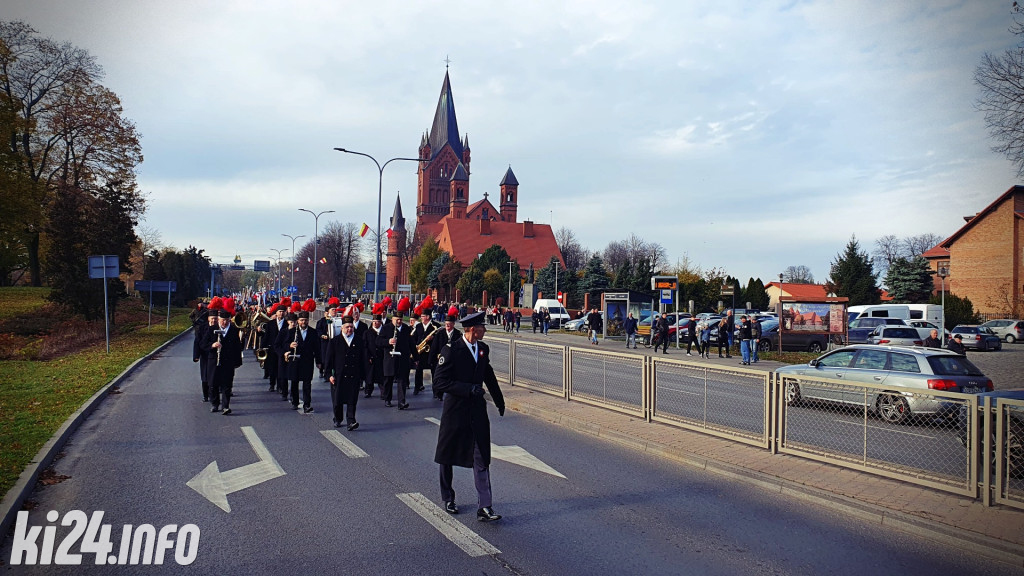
(380, 185)
(316, 231)
(510, 263)
(294, 238)
(278, 281)
(778, 312)
(943, 270)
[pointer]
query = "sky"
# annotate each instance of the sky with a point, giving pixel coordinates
(746, 136)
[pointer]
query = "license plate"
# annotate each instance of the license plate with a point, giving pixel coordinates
(972, 389)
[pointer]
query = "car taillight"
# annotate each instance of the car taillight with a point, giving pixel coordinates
(988, 385)
(918, 343)
(943, 384)
(978, 337)
(883, 341)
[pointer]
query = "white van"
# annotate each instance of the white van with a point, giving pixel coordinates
(927, 312)
(901, 311)
(558, 314)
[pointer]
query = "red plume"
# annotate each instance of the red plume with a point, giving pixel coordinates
(378, 308)
(286, 302)
(428, 303)
(216, 303)
(386, 301)
(417, 310)
(453, 311)
(360, 305)
(333, 301)
(309, 305)
(404, 304)
(272, 310)
(229, 305)
(295, 308)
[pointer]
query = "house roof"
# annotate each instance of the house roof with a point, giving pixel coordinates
(463, 240)
(801, 290)
(475, 210)
(977, 217)
(445, 129)
(936, 252)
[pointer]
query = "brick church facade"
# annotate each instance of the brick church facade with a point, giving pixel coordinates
(444, 212)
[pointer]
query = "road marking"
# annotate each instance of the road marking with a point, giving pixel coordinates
(347, 447)
(215, 485)
(470, 542)
(515, 455)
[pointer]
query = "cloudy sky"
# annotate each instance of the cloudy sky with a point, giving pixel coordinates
(744, 135)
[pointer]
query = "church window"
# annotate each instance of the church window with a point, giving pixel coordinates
(509, 197)
(458, 192)
(485, 214)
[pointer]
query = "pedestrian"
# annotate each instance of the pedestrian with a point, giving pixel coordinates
(326, 329)
(691, 336)
(932, 341)
(730, 332)
(662, 334)
(464, 437)
(745, 340)
(205, 321)
(630, 328)
(535, 320)
(519, 319)
(723, 338)
(374, 354)
(545, 319)
(705, 338)
(957, 345)
(344, 365)
(755, 337)
(595, 322)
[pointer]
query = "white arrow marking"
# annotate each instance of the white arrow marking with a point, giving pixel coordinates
(215, 485)
(347, 447)
(515, 455)
(470, 542)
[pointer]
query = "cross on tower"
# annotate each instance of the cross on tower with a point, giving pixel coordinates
(446, 62)
(485, 195)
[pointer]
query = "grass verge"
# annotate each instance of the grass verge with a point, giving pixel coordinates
(36, 397)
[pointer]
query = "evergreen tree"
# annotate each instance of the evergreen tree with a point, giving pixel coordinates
(422, 265)
(755, 294)
(910, 280)
(594, 280)
(434, 276)
(852, 275)
(545, 278)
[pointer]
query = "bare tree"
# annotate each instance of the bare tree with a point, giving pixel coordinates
(887, 249)
(918, 245)
(341, 247)
(574, 254)
(798, 275)
(1001, 80)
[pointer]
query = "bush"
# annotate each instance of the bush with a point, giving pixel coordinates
(958, 311)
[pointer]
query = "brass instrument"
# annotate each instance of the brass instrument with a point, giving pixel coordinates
(422, 346)
(261, 355)
(218, 347)
(289, 356)
(257, 321)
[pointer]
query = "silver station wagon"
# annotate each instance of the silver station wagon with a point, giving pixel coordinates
(924, 368)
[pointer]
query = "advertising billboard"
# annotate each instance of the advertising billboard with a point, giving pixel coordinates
(813, 317)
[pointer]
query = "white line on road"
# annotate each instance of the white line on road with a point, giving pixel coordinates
(344, 444)
(470, 542)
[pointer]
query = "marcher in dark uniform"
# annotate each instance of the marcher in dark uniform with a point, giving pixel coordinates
(395, 342)
(464, 439)
(344, 366)
(326, 329)
(269, 331)
(374, 355)
(303, 348)
(441, 338)
(223, 348)
(205, 321)
(419, 334)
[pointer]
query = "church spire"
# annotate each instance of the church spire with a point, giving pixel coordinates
(397, 220)
(445, 129)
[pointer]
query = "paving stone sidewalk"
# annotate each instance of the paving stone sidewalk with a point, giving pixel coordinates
(996, 531)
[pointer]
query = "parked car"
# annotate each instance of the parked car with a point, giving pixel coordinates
(1008, 330)
(792, 341)
(862, 327)
(978, 337)
(924, 328)
(896, 336)
(579, 324)
(922, 368)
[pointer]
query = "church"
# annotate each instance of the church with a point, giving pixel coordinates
(444, 213)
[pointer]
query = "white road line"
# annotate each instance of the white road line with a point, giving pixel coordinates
(433, 421)
(347, 447)
(463, 537)
(515, 455)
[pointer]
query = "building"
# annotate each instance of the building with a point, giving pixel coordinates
(444, 212)
(811, 292)
(984, 257)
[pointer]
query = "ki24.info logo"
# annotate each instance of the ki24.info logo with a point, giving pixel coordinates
(142, 544)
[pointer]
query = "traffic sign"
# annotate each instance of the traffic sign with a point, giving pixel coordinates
(664, 283)
(666, 296)
(727, 290)
(293, 289)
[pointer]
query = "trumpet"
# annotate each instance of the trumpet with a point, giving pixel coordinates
(422, 346)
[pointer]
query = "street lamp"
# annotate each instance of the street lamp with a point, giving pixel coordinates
(943, 270)
(316, 230)
(294, 238)
(278, 282)
(510, 263)
(380, 184)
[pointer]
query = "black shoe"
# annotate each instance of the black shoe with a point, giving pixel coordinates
(451, 508)
(284, 397)
(206, 399)
(353, 425)
(728, 356)
(486, 514)
(215, 409)
(367, 395)
(387, 403)
(226, 411)
(403, 406)
(295, 406)
(272, 389)
(337, 424)
(307, 409)
(418, 390)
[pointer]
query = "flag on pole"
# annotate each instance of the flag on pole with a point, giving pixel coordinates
(323, 260)
(389, 232)
(363, 230)
(308, 259)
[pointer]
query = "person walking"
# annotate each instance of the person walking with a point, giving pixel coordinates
(205, 321)
(223, 348)
(662, 335)
(957, 345)
(595, 323)
(464, 437)
(630, 328)
(375, 356)
(723, 338)
(730, 332)
(745, 341)
(396, 343)
(545, 319)
(519, 319)
(691, 337)
(344, 366)
(302, 347)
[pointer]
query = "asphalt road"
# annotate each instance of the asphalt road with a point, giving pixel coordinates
(605, 510)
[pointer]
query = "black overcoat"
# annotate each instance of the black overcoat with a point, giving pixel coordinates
(338, 353)
(396, 364)
(309, 354)
(438, 342)
(464, 420)
(374, 356)
(230, 355)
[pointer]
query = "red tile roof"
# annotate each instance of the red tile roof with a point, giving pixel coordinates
(977, 217)
(463, 240)
(936, 252)
(801, 290)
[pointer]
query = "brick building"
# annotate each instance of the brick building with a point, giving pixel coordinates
(985, 257)
(444, 213)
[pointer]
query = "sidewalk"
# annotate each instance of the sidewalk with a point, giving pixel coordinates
(952, 520)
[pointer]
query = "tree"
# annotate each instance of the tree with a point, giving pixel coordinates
(958, 310)
(434, 276)
(545, 278)
(914, 246)
(495, 284)
(797, 275)
(471, 285)
(341, 249)
(449, 278)
(755, 294)
(573, 253)
(852, 275)
(595, 280)
(422, 264)
(625, 257)
(1000, 78)
(910, 280)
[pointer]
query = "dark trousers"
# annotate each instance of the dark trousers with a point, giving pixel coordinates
(280, 376)
(344, 396)
(307, 392)
(220, 392)
(202, 376)
(663, 342)
(694, 340)
(723, 344)
(419, 373)
(389, 386)
(481, 478)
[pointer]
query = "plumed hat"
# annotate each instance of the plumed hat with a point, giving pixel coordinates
(295, 308)
(333, 302)
(309, 305)
(216, 303)
(229, 305)
(453, 314)
(404, 304)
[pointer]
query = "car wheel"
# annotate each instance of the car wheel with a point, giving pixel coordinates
(892, 408)
(647, 341)
(815, 347)
(764, 345)
(792, 393)
(1010, 339)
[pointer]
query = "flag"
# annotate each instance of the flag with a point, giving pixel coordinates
(363, 230)
(323, 260)
(389, 232)
(296, 269)
(308, 259)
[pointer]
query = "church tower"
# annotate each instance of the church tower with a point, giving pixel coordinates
(442, 152)
(396, 270)
(509, 188)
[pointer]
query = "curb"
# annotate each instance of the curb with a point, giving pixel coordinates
(943, 533)
(16, 496)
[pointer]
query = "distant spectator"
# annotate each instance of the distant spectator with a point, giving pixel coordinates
(932, 341)
(630, 327)
(662, 335)
(595, 322)
(755, 337)
(957, 345)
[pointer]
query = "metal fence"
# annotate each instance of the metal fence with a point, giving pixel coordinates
(951, 443)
